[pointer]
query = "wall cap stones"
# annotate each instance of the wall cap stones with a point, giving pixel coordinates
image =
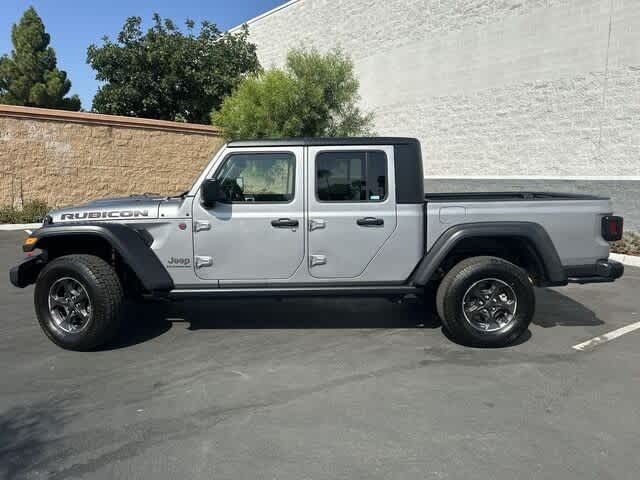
(106, 120)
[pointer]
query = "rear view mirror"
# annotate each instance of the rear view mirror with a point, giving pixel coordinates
(211, 193)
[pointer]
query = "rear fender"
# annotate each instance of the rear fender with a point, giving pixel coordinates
(534, 234)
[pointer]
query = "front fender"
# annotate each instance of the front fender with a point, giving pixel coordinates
(127, 242)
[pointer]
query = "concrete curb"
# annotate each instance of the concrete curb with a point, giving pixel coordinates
(8, 227)
(631, 260)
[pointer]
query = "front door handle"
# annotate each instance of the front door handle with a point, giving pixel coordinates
(370, 222)
(284, 223)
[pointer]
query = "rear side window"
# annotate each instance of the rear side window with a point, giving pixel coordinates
(351, 176)
(258, 177)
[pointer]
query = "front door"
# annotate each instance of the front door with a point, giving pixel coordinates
(352, 208)
(257, 233)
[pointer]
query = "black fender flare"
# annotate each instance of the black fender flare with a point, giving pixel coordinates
(533, 233)
(126, 241)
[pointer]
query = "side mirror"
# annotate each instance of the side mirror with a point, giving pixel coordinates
(211, 193)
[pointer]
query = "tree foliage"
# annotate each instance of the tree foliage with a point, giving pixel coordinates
(30, 76)
(166, 74)
(315, 95)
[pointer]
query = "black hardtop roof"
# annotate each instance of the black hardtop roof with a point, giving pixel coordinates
(311, 141)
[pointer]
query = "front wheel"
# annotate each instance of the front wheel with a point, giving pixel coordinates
(486, 302)
(78, 300)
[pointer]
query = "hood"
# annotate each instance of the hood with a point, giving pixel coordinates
(110, 209)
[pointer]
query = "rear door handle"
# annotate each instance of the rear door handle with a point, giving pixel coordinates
(284, 223)
(370, 222)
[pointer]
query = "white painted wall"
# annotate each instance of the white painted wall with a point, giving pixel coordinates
(491, 87)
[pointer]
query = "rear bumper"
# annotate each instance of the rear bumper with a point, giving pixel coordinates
(26, 272)
(601, 271)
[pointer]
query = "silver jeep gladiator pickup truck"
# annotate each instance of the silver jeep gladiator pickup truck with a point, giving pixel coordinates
(317, 216)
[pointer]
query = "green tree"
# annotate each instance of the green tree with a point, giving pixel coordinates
(166, 74)
(315, 95)
(29, 76)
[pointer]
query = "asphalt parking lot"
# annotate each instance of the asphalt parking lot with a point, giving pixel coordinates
(322, 389)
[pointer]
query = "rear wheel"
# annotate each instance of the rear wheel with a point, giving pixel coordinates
(486, 302)
(78, 300)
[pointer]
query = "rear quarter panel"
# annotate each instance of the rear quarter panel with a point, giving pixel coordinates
(573, 225)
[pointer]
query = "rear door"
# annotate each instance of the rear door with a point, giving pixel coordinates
(258, 232)
(352, 208)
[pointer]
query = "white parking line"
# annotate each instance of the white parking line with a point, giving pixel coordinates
(595, 341)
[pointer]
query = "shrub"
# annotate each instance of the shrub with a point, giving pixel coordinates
(629, 245)
(315, 95)
(32, 212)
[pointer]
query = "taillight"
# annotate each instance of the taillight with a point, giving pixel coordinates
(611, 228)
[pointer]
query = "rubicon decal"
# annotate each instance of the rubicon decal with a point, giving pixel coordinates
(105, 214)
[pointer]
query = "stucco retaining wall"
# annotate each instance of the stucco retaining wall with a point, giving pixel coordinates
(66, 157)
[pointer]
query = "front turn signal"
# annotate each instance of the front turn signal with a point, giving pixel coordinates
(28, 244)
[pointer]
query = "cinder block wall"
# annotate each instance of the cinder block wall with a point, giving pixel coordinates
(65, 158)
(494, 89)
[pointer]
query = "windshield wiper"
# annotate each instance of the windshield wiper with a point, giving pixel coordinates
(180, 195)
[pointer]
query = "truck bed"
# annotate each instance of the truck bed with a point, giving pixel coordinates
(573, 221)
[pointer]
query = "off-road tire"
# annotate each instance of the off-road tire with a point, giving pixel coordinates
(455, 284)
(103, 288)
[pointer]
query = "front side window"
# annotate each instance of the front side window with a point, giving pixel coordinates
(258, 177)
(351, 176)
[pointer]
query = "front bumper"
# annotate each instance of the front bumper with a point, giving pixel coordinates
(26, 272)
(601, 271)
